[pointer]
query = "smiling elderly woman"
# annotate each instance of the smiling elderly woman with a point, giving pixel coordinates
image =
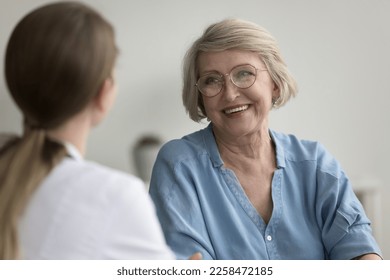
(239, 190)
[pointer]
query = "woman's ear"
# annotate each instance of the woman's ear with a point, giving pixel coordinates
(104, 100)
(275, 92)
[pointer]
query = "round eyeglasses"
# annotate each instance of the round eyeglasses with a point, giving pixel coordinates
(242, 76)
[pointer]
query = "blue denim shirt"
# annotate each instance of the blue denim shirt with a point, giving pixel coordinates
(202, 206)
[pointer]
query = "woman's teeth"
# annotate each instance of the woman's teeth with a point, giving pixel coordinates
(237, 109)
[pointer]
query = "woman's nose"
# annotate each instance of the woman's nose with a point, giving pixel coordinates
(230, 91)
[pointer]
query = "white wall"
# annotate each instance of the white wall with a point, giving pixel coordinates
(338, 50)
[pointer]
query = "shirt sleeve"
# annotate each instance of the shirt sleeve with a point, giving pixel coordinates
(178, 207)
(346, 230)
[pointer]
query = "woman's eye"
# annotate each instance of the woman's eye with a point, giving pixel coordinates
(212, 80)
(244, 74)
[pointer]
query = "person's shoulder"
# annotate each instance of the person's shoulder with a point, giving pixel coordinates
(299, 149)
(187, 147)
(112, 174)
(296, 148)
(100, 177)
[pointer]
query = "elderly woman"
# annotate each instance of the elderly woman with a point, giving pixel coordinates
(238, 190)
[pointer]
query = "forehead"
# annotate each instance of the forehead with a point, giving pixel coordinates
(224, 61)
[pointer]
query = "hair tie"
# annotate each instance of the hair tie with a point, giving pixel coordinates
(33, 125)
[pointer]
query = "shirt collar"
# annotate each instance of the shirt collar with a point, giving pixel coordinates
(211, 146)
(72, 151)
(280, 155)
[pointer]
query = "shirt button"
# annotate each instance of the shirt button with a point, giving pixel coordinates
(269, 237)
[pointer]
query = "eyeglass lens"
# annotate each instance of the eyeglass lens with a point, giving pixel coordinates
(242, 76)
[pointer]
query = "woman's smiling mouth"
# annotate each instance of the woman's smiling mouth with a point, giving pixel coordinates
(236, 109)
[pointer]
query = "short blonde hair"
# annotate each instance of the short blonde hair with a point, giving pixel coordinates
(241, 35)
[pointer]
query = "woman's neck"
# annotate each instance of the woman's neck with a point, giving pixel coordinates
(75, 131)
(252, 145)
(249, 152)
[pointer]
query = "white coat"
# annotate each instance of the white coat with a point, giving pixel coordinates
(83, 210)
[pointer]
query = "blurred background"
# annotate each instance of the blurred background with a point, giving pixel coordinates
(338, 51)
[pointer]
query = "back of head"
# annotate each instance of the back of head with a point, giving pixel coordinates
(240, 35)
(57, 58)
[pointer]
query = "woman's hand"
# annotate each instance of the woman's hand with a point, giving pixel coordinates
(196, 256)
(364, 257)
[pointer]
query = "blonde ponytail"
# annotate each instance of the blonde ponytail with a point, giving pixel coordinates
(23, 165)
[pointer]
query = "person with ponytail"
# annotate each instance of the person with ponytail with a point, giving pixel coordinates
(59, 69)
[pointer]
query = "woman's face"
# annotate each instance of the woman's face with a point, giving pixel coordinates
(237, 112)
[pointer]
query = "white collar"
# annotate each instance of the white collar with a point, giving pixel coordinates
(72, 151)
